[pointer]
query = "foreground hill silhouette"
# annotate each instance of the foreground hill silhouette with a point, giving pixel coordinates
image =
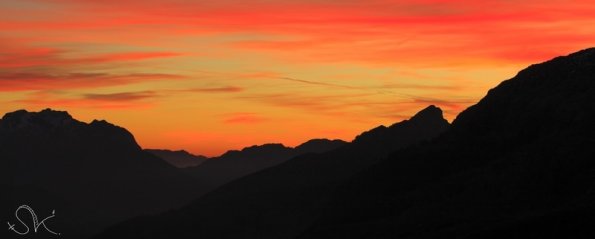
(519, 164)
(238, 163)
(284, 200)
(93, 174)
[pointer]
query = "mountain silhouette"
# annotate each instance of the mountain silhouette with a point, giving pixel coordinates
(518, 164)
(319, 146)
(91, 174)
(179, 158)
(282, 201)
(96, 174)
(238, 163)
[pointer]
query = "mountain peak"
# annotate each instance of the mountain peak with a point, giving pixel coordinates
(48, 122)
(429, 120)
(430, 112)
(55, 113)
(46, 118)
(319, 145)
(178, 158)
(430, 115)
(256, 151)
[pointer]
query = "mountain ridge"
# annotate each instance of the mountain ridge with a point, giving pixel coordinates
(235, 164)
(52, 161)
(287, 197)
(520, 156)
(178, 158)
(515, 165)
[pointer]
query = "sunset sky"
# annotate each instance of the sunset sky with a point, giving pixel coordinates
(208, 76)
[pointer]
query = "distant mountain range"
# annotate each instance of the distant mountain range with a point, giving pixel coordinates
(518, 164)
(95, 174)
(283, 200)
(179, 158)
(210, 173)
(238, 163)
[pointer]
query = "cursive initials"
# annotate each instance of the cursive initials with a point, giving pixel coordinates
(36, 223)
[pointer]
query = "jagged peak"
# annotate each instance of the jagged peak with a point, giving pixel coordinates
(430, 112)
(319, 145)
(46, 113)
(264, 149)
(321, 140)
(15, 115)
(55, 113)
(20, 118)
(102, 123)
(430, 116)
(49, 120)
(267, 146)
(46, 118)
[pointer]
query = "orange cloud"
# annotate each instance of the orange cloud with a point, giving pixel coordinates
(111, 101)
(226, 89)
(243, 118)
(123, 96)
(38, 57)
(44, 81)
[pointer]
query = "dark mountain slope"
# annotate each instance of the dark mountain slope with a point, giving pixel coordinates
(319, 146)
(92, 174)
(235, 164)
(282, 201)
(519, 164)
(179, 159)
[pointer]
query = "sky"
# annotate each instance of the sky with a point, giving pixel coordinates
(208, 76)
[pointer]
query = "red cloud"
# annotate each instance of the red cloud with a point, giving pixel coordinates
(44, 57)
(375, 31)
